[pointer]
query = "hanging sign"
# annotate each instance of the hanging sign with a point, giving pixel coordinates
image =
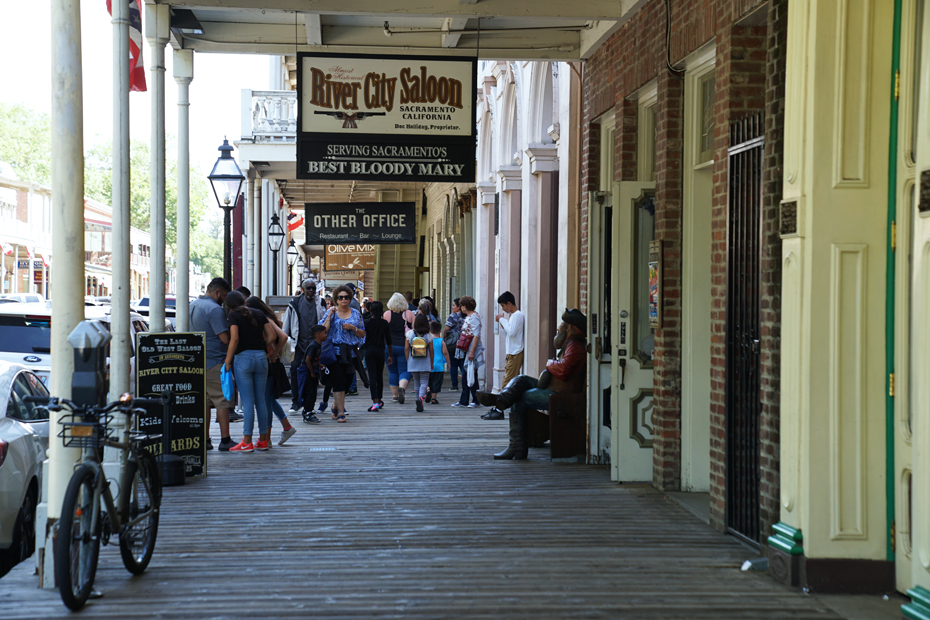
(386, 118)
(349, 256)
(177, 362)
(360, 222)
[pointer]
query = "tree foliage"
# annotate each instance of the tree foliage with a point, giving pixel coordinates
(26, 144)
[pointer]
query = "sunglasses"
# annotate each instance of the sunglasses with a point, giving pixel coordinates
(344, 297)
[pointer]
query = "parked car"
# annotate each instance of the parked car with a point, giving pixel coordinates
(142, 307)
(26, 333)
(25, 336)
(22, 451)
(26, 298)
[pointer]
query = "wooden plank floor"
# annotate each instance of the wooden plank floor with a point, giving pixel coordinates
(405, 515)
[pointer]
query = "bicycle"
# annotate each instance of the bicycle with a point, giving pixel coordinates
(84, 522)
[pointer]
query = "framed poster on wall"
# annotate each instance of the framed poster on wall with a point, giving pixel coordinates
(655, 284)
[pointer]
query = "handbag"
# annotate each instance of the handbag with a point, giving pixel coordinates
(226, 379)
(328, 353)
(280, 382)
(464, 341)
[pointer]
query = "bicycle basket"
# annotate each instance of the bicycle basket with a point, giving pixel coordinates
(77, 433)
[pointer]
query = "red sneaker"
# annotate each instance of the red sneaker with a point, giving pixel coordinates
(243, 447)
(261, 445)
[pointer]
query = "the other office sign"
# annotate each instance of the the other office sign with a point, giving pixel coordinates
(386, 118)
(176, 362)
(360, 222)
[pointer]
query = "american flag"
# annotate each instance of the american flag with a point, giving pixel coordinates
(294, 221)
(136, 68)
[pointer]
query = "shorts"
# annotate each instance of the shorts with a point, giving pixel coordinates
(215, 398)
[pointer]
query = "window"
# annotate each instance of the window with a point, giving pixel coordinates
(644, 233)
(25, 384)
(706, 122)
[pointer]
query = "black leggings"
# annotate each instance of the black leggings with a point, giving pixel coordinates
(374, 360)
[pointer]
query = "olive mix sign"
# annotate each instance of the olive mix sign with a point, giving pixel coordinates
(363, 223)
(386, 118)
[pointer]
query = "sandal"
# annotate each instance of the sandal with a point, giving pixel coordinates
(434, 402)
(373, 408)
(335, 414)
(341, 417)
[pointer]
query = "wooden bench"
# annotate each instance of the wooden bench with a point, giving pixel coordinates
(564, 426)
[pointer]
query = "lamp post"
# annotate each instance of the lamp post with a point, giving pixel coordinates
(226, 180)
(275, 241)
(291, 260)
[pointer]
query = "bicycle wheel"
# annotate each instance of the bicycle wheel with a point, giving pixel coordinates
(77, 547)
(140, 498)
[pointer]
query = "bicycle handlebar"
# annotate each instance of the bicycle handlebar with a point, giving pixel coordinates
(54, 403)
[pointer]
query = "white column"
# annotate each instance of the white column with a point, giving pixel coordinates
(536, 294)
(120, 346)
(156, 31)
(68, 241)
(257, 290)
(16, 268)
(183, 75)
(250, 235)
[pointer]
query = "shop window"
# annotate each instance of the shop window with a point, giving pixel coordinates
(706, 122)
(644, 234)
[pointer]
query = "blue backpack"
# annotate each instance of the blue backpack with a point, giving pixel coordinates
(328, 353)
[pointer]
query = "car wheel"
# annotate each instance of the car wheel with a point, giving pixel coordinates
(25, 530)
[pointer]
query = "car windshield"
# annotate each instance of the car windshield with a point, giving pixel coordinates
(25, 335)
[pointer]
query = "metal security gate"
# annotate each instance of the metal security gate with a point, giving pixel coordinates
(744, 254)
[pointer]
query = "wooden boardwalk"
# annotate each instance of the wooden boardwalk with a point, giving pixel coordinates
(405, 515)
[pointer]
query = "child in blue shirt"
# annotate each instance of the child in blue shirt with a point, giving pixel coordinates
(440, 362)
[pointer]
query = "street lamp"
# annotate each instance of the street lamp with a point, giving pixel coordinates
(291, 260)
(226, 180)
(275, 241)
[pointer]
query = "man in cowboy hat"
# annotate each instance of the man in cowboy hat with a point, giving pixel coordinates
(565, 373)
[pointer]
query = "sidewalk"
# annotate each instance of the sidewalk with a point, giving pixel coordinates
(405, 515)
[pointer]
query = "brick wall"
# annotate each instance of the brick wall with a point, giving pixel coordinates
(771, 264)
(629, 60)
(740, 74)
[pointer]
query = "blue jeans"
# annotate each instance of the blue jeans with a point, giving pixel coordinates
(251, 371)
(456, 369)
(273, 405)
(469, 391)
(398, 370)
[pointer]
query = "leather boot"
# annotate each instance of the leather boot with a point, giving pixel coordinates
(512, 393)
(517, 448)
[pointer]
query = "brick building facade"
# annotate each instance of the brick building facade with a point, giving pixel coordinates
(749, 40)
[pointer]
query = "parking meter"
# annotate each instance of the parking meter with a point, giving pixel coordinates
(89, 381)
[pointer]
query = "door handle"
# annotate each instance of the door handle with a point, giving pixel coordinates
(622, 363)
(755, 346)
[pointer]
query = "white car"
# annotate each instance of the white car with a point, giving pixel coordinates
(26, 298)
(21, 456)
(26, 333)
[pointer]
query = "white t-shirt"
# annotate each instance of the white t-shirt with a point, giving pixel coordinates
(513, 327)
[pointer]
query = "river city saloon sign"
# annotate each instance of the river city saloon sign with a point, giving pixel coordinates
(386, 118)
(361, 223)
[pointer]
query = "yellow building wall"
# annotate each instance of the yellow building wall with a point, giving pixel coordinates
(833, 281)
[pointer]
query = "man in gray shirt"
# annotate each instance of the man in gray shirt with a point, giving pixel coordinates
(207, 315)
(303, 312)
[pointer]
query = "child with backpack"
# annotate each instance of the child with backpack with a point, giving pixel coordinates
(318, 374)
(440, 362)
(418, 349)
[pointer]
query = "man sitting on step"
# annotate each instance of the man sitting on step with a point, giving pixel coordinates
(564, 374)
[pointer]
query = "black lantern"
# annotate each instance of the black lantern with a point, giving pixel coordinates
(226, 180)
(292, 255)
(275, 241)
